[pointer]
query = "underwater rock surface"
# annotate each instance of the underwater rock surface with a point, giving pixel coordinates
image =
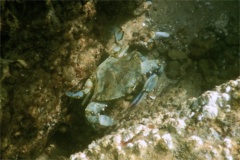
(203, 127)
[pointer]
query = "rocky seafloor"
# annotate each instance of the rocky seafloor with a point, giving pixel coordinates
(50, 47)
(204, 127)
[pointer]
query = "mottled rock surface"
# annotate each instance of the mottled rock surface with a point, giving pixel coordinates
(204, 127)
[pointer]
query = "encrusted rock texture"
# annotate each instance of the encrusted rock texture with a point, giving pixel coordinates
(31, 99)
(61, 43)
(204, 127)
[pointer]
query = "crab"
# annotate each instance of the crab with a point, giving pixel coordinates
(115, 78)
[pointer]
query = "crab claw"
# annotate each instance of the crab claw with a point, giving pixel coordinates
(105, 121)
(92, 113)
(148, 87)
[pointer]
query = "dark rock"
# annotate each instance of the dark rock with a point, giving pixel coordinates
(173, 70)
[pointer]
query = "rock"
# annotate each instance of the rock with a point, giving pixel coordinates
(165, 136)
(199, 48)
(221, 22)
(232, 39)
(177, 55)
(173, 69)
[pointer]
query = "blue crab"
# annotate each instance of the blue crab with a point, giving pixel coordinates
(116, 78)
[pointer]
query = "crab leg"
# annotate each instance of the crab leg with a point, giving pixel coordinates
(76, 95)
(80, 94)
(148, 87)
